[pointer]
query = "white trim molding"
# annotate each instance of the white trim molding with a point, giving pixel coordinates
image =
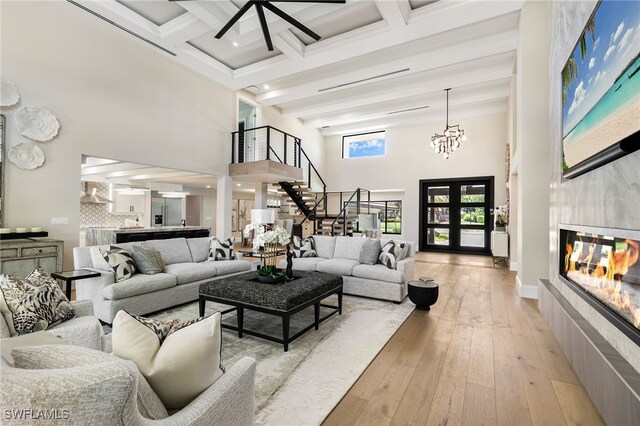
(526, 291)
(513, 266)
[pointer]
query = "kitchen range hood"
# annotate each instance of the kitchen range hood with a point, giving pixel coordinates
(91, 196)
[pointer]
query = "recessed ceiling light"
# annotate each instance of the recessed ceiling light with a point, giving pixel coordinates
(208, 186)
(238, 184)
(266, 86)
(235, 44)
(252, 89)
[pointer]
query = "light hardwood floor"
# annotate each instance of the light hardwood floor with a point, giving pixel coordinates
(481, 356)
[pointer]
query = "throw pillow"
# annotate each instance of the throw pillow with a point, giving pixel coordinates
(34, 303)
(392, 253)
(179, 359)
(147, 259)
(221, 250)
(370, 252)
(120, 262)
(304, 248)
(69, 356)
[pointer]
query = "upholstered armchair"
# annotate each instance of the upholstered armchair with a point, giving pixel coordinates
(84, 330)
(101, 389)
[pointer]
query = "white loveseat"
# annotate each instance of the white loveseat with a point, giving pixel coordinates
(186, 267)
(340, 256)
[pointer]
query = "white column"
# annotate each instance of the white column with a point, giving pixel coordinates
(261, 195)
(534, 168)
(224, 202)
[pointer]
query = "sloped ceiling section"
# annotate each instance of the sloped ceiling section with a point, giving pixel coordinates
(379, 61)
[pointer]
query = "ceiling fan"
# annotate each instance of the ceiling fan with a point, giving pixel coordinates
(260, 6)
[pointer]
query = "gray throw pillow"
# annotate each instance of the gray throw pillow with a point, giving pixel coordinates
(370, 251)
(148, 260)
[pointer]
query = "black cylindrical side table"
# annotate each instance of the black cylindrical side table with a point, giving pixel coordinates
(423, 294)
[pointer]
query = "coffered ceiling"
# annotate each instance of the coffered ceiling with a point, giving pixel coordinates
(379, 62)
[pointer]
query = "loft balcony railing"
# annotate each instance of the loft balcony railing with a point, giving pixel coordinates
(268, 143)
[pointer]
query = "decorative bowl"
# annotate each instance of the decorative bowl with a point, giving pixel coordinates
(9, 94)
(36, 123)
(26, 155)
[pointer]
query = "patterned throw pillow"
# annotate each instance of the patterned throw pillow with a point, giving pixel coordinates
(179, 359)
(120, 261)
(304, 248)
(34, 303)
(221, 250)
(147, 259)
(392, 253)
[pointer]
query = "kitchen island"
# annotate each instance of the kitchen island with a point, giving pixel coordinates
(105, 236)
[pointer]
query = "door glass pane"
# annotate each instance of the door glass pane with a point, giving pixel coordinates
(472, 216)
(438, 214)
(438, 236)
(393, 220)
(472, 193)
(472, 237)
(438, 194)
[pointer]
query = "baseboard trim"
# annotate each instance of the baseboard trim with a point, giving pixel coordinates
(526, 291)
(513, 266)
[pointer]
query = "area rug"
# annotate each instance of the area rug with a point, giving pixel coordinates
(303, 385)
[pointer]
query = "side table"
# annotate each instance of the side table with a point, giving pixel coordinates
(69, 276)
(423, 294)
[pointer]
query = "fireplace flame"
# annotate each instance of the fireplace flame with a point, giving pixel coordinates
(606, 283)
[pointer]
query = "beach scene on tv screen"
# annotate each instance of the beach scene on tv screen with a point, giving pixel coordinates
(601, 82)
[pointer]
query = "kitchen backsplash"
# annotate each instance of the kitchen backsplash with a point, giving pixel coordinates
(98, 216)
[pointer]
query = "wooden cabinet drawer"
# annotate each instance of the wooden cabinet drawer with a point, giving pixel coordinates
(39, 251)
(8, 253)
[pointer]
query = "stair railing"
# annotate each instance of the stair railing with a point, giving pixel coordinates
(314, 212)
(343, 211)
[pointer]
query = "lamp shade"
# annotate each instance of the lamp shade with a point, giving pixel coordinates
(262, 216)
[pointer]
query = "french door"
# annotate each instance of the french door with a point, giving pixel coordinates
(455, 215)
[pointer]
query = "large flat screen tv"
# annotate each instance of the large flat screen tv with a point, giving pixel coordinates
(601, 89)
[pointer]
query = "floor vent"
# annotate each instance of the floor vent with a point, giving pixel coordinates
(86, 9)
(364, 79)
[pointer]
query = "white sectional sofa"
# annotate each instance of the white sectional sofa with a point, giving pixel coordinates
(340, 255)
(186, 267)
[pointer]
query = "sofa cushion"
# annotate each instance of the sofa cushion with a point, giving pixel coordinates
(304, 248)
(370, 251)
(121, 262)
(304, 263)
(348, 248)
(338, 266)
(378, 273)
(148, 260)
(325, 245)
(221, 249)
(138, 284)
(179, 359)
(96, 258)
(189, 272)
(174, 250)
(199, 248)
(392, 253)
(232, 266)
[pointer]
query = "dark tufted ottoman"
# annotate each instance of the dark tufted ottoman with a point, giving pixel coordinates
(244, 291)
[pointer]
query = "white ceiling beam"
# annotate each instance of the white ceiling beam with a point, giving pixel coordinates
(215, 21)
(366, 95)
(391, 13)
(420, 117)
(183, 28)
(462, 52)
(375, 37)
(289, 44)
(161, 176)
(132, 172)
(108, 168)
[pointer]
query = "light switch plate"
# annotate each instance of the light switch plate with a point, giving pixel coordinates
(59, 220)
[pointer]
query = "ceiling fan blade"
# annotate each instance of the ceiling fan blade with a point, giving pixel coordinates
(291, 20)
(235, 18)
(263, 24)
(313, 1)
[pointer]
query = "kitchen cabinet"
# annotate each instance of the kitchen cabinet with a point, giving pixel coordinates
(130, 203)
(20, 257)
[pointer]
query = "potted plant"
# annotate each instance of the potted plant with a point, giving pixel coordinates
(269, 274)
(502, 220)
(268, 241)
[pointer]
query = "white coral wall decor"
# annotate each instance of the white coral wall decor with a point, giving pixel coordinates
(36, 123)
(26, 155)
(9, 94)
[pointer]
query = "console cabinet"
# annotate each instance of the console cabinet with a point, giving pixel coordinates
(21, 257)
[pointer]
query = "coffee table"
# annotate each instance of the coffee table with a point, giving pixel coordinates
(244, 291)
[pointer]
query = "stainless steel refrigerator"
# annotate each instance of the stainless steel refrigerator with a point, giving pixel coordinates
(166, 211)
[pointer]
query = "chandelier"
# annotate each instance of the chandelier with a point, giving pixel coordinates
(450, 140)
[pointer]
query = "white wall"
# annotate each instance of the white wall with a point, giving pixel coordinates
(208, 209)
(606, 197)
(532, 148)
(114, 97)
(410, 159)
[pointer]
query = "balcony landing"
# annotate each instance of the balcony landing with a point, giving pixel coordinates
(264, 171)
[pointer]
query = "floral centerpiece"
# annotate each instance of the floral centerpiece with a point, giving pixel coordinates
(502, 217)
(269, 240)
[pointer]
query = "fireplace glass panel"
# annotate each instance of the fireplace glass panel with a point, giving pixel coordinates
(606, 268)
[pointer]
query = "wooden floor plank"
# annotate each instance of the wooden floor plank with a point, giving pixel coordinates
(479, 406)
(512, 407)
(503, 340)
(481, 357)
(576, 405)
(347, 412)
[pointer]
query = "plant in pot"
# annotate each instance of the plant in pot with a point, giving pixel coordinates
(502, 214)
(269, 274)
(268, 241)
